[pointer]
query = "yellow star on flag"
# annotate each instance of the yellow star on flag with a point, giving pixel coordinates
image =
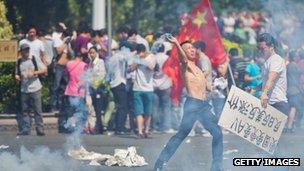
(199, 19)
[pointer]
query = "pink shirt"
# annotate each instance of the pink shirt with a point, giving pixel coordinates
(75, 69)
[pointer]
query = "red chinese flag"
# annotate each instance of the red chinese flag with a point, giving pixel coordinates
(199, 27)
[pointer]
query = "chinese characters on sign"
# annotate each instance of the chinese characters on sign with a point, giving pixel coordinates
(244, 116)
(8, 51)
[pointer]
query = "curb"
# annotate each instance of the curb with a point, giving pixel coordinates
(8, 122)
(13, 116)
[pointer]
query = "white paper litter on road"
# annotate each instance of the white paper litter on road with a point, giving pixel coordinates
(122, 157)
(128, 158)
(4, 147)
(83, 154)
(230, 151)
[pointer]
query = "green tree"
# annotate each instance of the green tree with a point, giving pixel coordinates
(6, 31)
(78, 11)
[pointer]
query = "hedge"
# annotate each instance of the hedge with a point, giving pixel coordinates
(10, 90)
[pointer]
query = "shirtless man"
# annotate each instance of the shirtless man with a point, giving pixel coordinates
(196, 108)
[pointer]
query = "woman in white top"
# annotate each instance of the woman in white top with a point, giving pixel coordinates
(97, 74)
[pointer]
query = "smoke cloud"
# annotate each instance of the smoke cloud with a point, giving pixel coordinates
(286, 21)
(39, 159)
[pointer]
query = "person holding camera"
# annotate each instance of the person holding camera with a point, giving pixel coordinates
(63, 51)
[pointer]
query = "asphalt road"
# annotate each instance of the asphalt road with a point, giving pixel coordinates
(193, 155)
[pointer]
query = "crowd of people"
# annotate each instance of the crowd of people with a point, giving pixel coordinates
(127, 91)
(243, 27)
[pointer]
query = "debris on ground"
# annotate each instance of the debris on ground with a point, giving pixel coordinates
(122, 157)
(4, 147)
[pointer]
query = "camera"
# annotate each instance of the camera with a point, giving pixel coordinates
(68, 39)
(166, 36)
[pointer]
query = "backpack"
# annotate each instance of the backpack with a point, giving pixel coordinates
(19, 63)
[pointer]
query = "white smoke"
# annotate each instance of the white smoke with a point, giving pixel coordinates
(42, 158)
(286, 21)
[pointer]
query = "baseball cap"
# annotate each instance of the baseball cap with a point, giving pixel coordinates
(24, 46)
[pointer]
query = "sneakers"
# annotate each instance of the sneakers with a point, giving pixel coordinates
(140, 136)
(40, 132)
(121, 133)
(143, 136)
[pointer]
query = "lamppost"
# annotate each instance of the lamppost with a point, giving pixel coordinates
(99, 19)
(109, 14)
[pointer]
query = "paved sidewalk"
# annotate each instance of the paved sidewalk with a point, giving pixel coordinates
(8, 123)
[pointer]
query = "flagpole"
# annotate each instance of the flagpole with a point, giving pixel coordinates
(231, 74)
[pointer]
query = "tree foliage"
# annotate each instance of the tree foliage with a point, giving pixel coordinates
(6, 31)
(142, 14)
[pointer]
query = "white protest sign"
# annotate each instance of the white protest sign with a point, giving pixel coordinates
(244, 116)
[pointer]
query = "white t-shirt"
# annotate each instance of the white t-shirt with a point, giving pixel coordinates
(96, 72)
(48, 44)
(144, 74)
(56, 35)
(59, 42)
(36, 47)
(117, 66)
(229, 24)
(161, 80)
(276, 64)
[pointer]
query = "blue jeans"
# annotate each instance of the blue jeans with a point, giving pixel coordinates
(196, 110)
(177, 111)
(281, 152)
(58, 86)
(282, 107)
(298, 104)
(162, 109)
(79, 111)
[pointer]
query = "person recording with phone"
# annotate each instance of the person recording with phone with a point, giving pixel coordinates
(63, 52)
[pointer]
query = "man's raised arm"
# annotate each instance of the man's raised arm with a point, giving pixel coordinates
(182, 57)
